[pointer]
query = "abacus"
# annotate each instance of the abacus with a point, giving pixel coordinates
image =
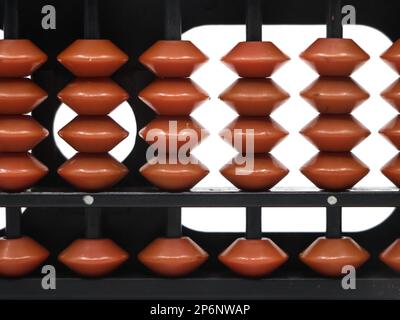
(113, 230)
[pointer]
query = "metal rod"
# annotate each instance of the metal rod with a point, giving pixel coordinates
(10, 24)
(93, 223)
(334, 27)
(333, 222)
(253, 20)
(253, 223)
(174, 223)
(173, 20)
(13, 223)
(91, 19)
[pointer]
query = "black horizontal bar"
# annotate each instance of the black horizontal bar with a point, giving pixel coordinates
(215, 198)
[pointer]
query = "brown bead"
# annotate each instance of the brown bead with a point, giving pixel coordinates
(19, 58)
(335, 132)
(19, 96)
(253, 258)
(255, 59)
(392, 56)
(335, 57)
(173, 59)
(254, 97)
(244, 133)
(392, 95)
(95, 96)
(92, 172)
(21, 256)
(254, 173)
(335, 170)
(329, 256)
(173, 175)
(391, 256)
(172, 133)
(92, 58)
(93, 133)
(173, 257)
(392, 132)
(335, 95)
(93, 257)
(173, 97)
(392, 170)
(20, 171)
(20, 133)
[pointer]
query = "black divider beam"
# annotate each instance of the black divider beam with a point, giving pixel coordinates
(334, 222)
(93, 223)
(334, 19)
(253, 20)
(253, 223)
(174, 223)
(10, 24)
(13, 223)
(173, 20)
(91, 20)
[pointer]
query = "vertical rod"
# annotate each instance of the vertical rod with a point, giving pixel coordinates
(333, 222)
(91, 19)
(10, 24)
(13, 223)
(174, 223)
(253, 20)
(334, 27)
(253, 223)
(173, 20)
(93, 223)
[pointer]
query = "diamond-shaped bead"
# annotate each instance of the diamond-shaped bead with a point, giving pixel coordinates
(92, 58)
(173, 257)
(93, 257)
(392, 56)
(256, 173)
(391, 256)
(392, 132)
(19, 58)
(255, 59)
(335, 170)
(93, 96)
(392, 170)
(173, 97)
(335, 132)
(335, 57)
(329, 256)
(254, 97)
(19, 96)
(173, 59)
(93, 133)
(392, 95)
(253, 258)
(336, 95)
(20, 256)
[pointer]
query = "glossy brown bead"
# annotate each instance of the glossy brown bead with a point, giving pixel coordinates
(392, 95)
(255, 59)
(335, 171)
(253, 134)
(20, 133)
(173, 175)
(335, 133)
(253, 258)
(94, 96)
(19, 58)
(392, 56)
(329, 256)
(254, 97)
(93, 133)
(334, 57)
(172, 133)
(335, 95)
(20, 171)
(173, 59)
(392, 131)
(92, 58)
(254, 173)
(392, 170)
(21, 256)
(93, 257)
(175, 257)
(391, 256)
(173, 97)
(92, 171)
(19, 96)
